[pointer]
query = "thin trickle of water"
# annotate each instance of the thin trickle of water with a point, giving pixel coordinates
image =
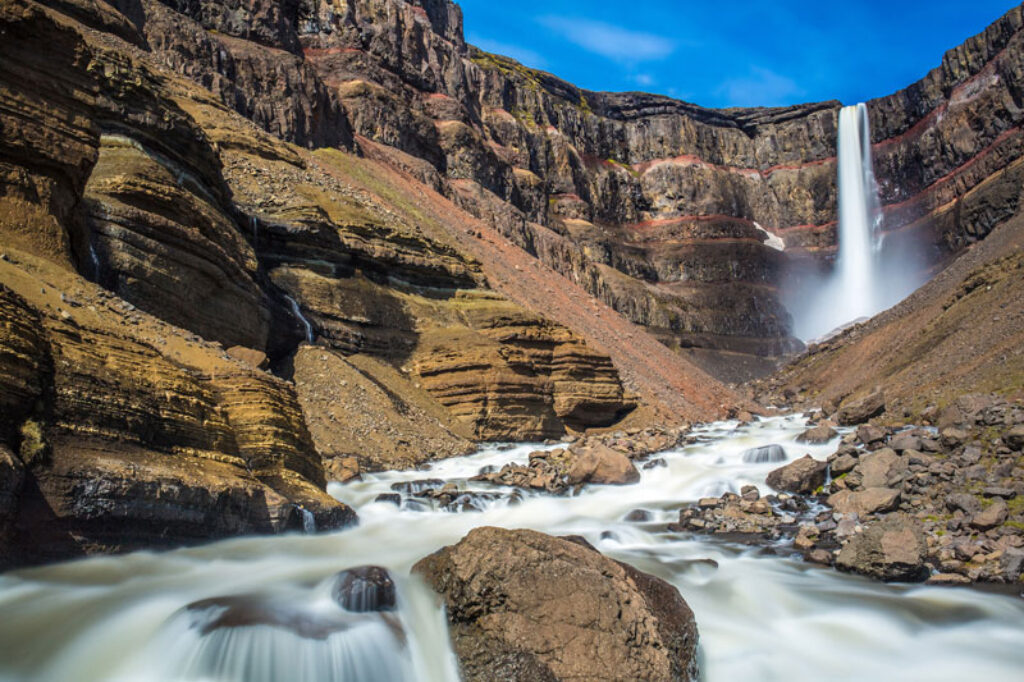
(95, 260)
(760, 617)
(308, 521)
(255, 229)
(297, 311)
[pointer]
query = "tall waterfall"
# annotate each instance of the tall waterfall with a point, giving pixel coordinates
(859, 220)
(871, 272)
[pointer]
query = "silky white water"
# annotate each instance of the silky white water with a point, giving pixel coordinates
(872, 273)
(297, 311)
(760, 617)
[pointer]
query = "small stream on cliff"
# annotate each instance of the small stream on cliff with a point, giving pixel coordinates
(760, 617)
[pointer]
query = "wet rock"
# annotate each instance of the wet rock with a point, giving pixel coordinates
(948, 579)
(820, 556)
(859, 411)
(991, 516)
(364, 589)
(864, 502)
(417, 487)
(390, 498)
(638, 516)
(818, 435)
(891, 550)
(522, 605)
(658, 462)
(805, 475)
(764, 454)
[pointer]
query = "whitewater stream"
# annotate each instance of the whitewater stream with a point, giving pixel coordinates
(761, 617)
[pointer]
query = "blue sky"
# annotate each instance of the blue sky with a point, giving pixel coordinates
(721, 54)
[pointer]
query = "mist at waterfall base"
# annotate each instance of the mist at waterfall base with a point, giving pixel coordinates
(873, 270)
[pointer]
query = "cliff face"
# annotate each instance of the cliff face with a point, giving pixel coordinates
(657, 203)
(146, 225)
(406, 244)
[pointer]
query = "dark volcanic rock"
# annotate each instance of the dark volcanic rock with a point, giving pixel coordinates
(526, 606)
(363, 589)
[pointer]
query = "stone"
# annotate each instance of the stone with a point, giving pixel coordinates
(601, 465)
(969, 504)
(804, 476)
(638, 516)
(997, 491)
(869, 434)
(864, 502)
(820, 556)
(364, 589)
(952, 437)
(818, 435)
(524, 605)
(389, 498)
(1014, 438)
(254, 358)
(12, 477)
(991, 516)
(948, 579)
(878, 467)
(904, 441)
(892, 549)
(859, 411)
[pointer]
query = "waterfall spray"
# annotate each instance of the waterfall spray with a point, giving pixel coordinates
(870, 275)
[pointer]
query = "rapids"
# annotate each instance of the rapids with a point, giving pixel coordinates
(761, 616)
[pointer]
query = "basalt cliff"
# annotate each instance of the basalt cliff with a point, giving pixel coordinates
(250, 247)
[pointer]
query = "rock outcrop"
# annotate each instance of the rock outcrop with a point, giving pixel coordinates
(522, 605)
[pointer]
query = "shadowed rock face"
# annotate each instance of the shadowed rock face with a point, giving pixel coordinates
(522, 605)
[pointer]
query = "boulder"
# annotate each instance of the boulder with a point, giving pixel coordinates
(905, 441)
(991, 516)
(869, 433)
(764, 454)
(818, 435)
(891, 550)
(600, 464)
(863, 502)
(522, 605)
(876, 468)
(364, 589)
(859, 411)
(254, 358)
(804, 476)
(1014, 438)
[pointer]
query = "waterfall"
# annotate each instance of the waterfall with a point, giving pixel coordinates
(302, 318)
(255, 229)
(95, 260)
(308, 521)
(870, 274)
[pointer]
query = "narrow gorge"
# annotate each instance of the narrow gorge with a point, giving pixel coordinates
(333, 347)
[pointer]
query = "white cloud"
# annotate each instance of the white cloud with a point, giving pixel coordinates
(609, 40)
(760, 87)
(522, 55)
(644, 80)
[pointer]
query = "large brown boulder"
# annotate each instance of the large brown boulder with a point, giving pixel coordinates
(892, 550)
(863, 502)
(859, 411)
(597, 463)
(804, 476)
(526, 606)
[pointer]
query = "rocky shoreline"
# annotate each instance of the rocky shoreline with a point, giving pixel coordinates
(941, 503)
